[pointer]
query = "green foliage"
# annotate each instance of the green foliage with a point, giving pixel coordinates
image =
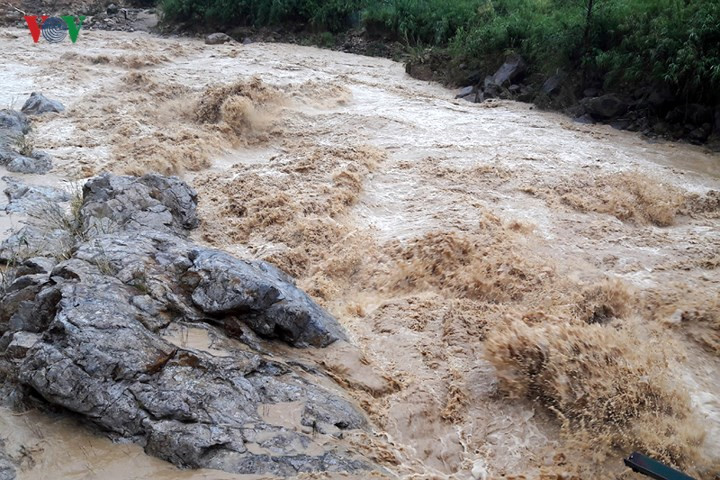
(331, 15)
(671, 41)
(433, 22)
(630, 43)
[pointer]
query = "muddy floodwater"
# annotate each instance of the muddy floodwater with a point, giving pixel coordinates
(518, 285)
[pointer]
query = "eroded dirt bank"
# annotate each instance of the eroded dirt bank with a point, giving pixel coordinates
(530, 295)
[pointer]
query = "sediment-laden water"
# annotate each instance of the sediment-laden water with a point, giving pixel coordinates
(529, 295)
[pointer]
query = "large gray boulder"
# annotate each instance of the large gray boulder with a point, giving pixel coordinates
(217, 39)
(606, 106)
(226, 285)
(553, 84)
(92, 333)
(510, 72)
(38, 104)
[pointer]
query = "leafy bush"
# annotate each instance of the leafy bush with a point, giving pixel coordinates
(429, 22)
(674, 41)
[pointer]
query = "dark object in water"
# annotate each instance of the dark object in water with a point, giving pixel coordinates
(653, 469)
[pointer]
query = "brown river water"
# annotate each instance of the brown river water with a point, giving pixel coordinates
(455, 242)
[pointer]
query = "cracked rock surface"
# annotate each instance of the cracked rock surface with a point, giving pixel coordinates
(7, 469)
(90, 333)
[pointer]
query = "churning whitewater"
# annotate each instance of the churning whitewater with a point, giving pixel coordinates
(524, 296)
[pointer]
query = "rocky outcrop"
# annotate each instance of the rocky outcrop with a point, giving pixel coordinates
(502, 84)
(38, 104)
(91, 332)
(151, 202)
(37, 162)
(13, 124)
(553, 84)
(13, 128)
(22, 197)
(7, 468)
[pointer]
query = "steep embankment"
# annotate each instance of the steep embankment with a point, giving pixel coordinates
(529, 295)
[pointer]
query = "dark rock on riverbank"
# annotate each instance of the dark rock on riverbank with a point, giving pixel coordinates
(652, 110)
(91, 331)
(510, 72)
(605, 107)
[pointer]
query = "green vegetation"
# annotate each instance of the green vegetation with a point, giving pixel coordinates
(626, 43)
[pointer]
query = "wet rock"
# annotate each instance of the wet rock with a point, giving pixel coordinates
(472, 98)
(217, 39)
(584, 119)
(38, 104)
(700, 134)
(421, 71)
(699, 115)
(621, 124)
(472, 78)
(7, 468)
(592, 92)
(19, 344)
(227, 285)
(35, 265)
(606, 106)
(512, 70)
(526, 94)
(13, 123)
(37, 163)
(660, 97)
(553, 84)
(150, 202)
(92, 337)
(491, 89)
(466, 91)
(112, 9)
(23, 197)
(32, 241)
